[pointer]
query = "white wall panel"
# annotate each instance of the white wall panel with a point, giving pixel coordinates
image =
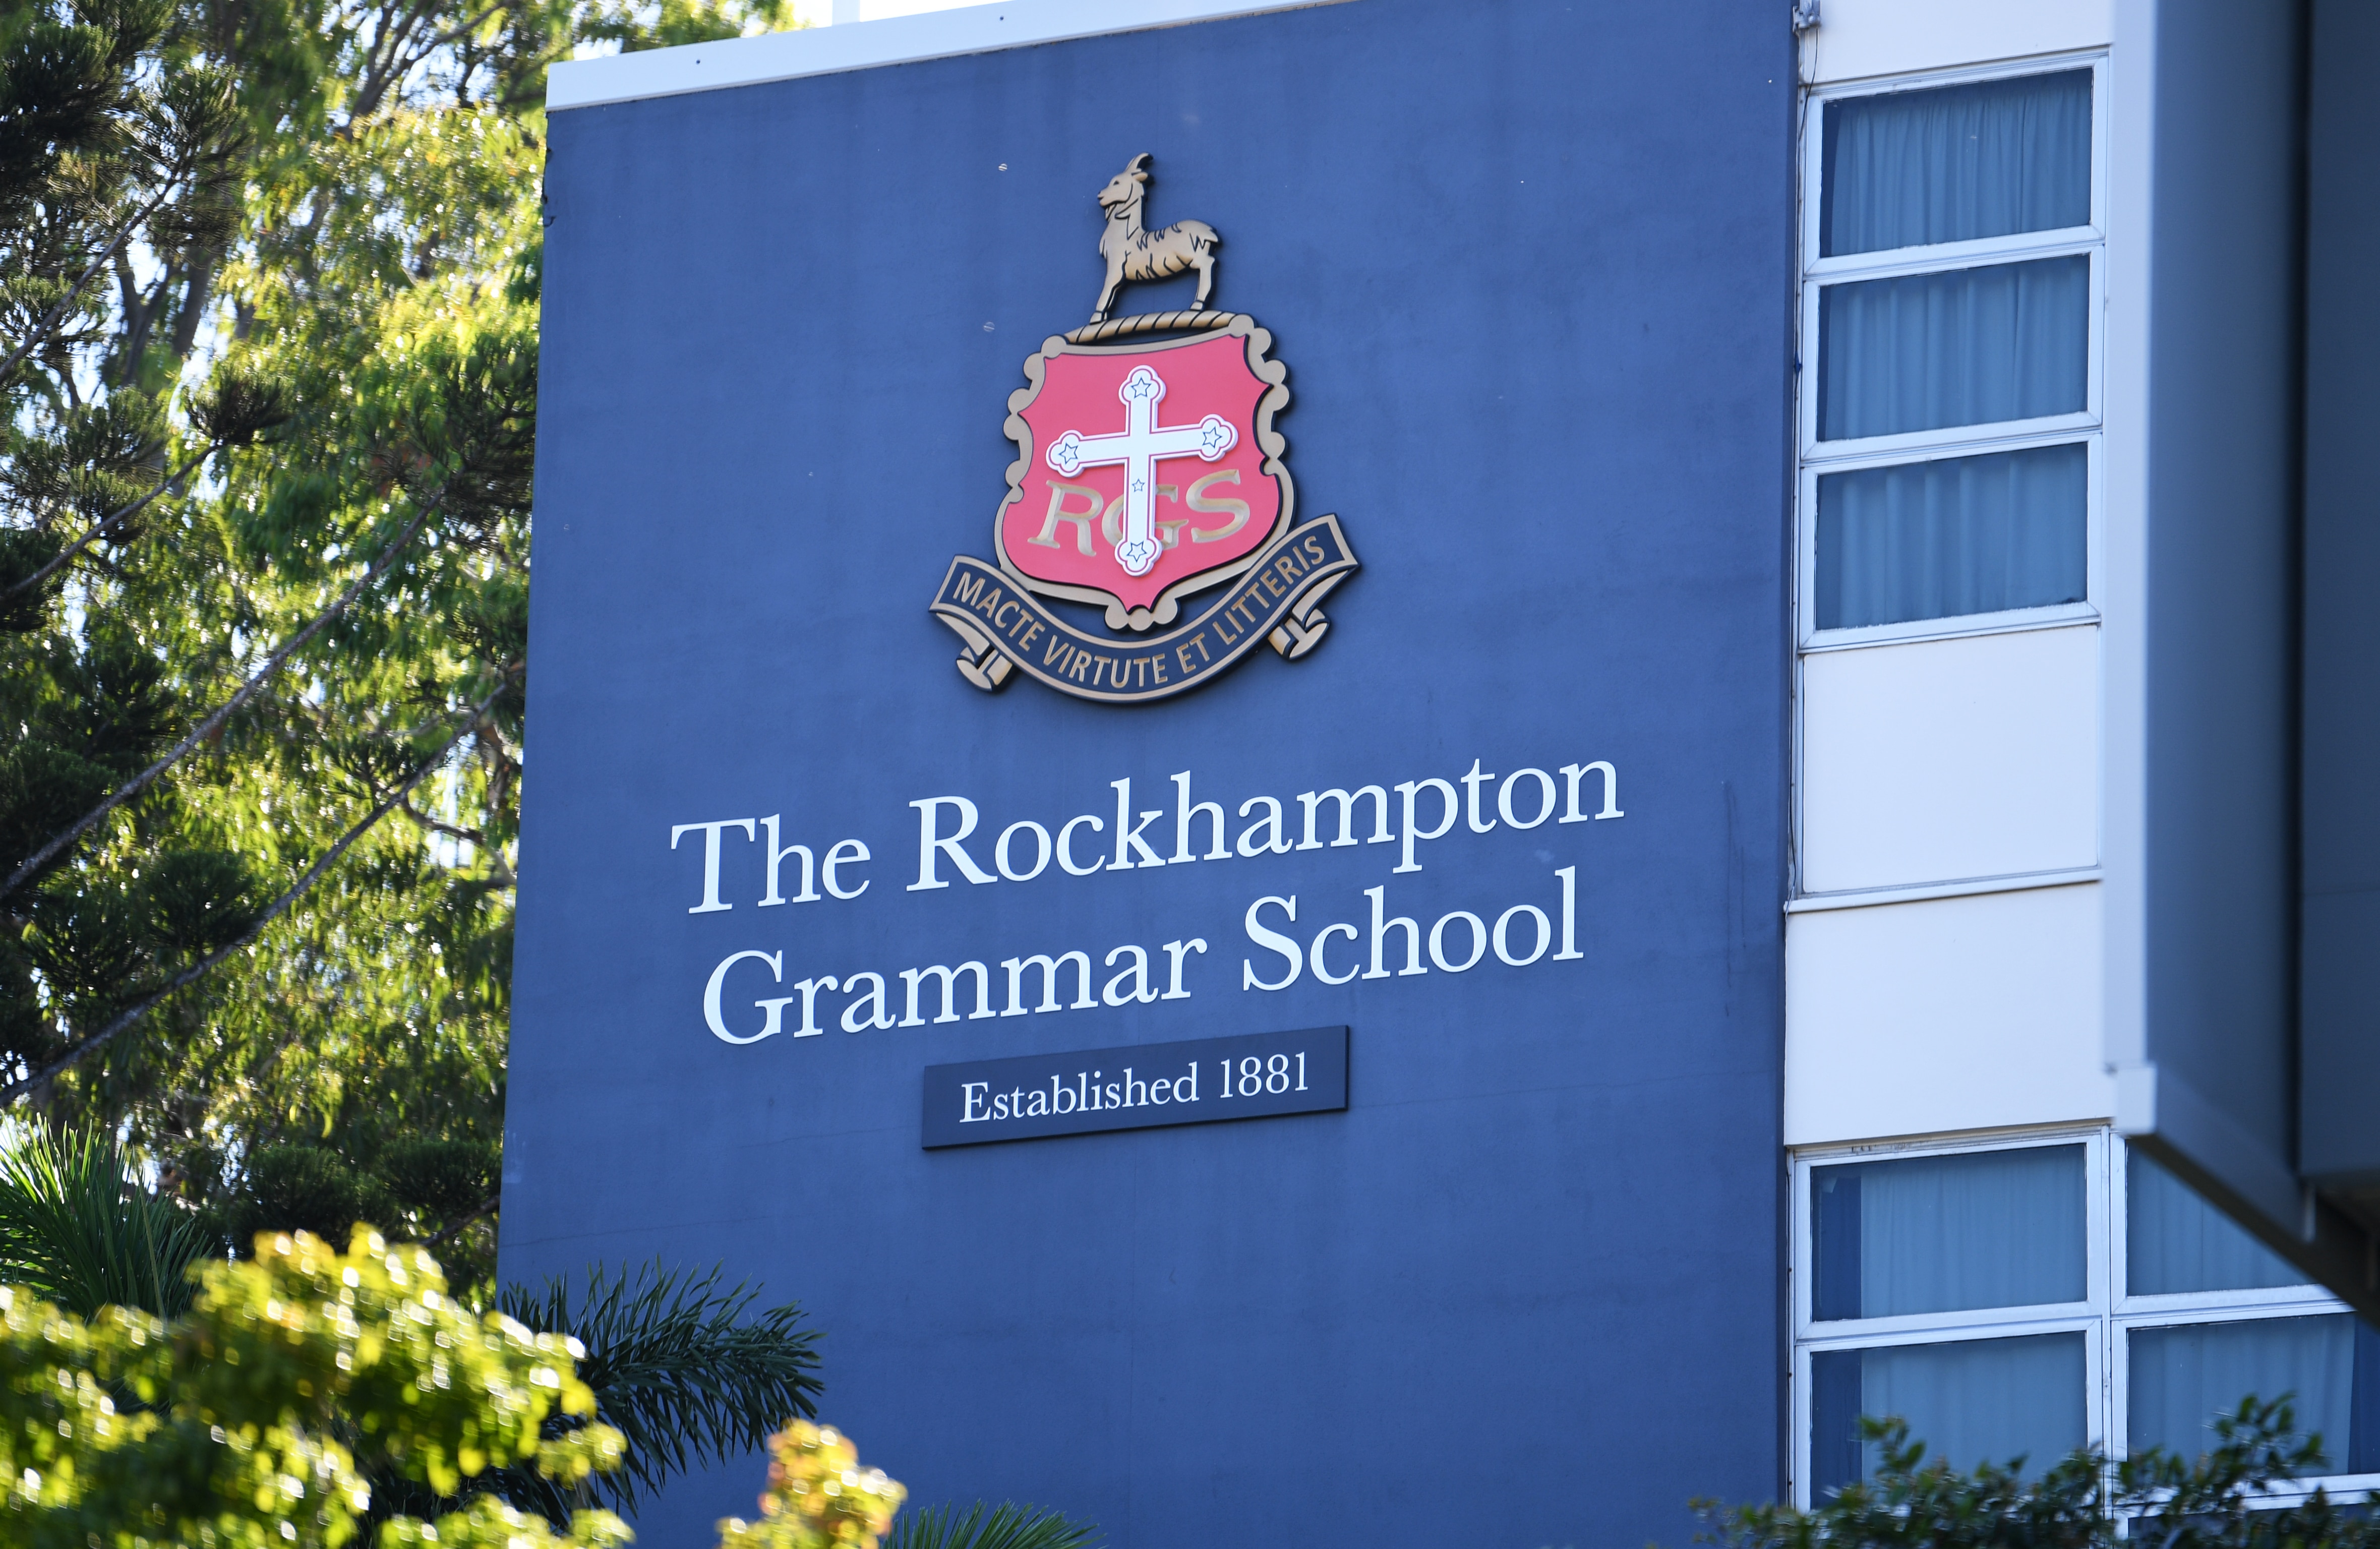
(1860, 38)
(1949, 759)
(868, 33)
(1957, 1013)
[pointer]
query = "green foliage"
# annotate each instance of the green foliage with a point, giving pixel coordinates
(679, 1369)
(77, 1229)
(61, 80)
(303, 1187)
(679, 1366)
(1005, 1526)
(446, 1181)
(424, 1185)
(252, 1418)
(268, 291)
(278, 452)
(2082, 1502)
(669, 23)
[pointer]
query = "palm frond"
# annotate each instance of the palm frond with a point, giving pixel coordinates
(684, 1369)
(1005, 1526)
(78, 1229)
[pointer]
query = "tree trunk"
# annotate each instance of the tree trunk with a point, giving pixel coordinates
(195, 294)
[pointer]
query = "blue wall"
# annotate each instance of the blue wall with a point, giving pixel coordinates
(1530, 267)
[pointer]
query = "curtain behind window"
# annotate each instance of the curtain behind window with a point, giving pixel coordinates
(1956, 535)
(1969, 1400)
(1939, 1234)
(2176, 1241)
(2182, 1378)
(1962, 346)
(1956, 163)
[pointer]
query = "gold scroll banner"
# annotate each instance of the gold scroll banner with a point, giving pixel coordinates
(1276, 601)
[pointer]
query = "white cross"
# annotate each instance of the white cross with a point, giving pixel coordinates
(1140, 448)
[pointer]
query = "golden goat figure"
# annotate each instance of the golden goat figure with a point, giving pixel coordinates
(1134, 253)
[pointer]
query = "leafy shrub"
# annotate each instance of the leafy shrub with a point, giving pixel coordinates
(240, 1424)
(2222, 1500)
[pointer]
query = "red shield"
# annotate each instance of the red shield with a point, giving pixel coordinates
(1147, 470)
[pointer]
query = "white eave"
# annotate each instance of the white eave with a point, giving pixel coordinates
(668, 72)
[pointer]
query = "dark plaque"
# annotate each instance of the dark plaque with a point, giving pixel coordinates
(1255, 1075)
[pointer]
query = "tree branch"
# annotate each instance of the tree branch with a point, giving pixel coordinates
(470, 836)
(78, 1052)
(100, 529)
(197, 288)
(392, 60)
(206, 729)
(50, 319)
(498, 872)
(445, 1232)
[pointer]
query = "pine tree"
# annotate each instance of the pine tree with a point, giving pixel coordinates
(268, 314)
(268, 354)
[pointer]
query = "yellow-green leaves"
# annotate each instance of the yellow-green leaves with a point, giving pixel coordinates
(243, 1411)
(307, 1332)
(55, 1411)
(488, 1523)
(818, 1496)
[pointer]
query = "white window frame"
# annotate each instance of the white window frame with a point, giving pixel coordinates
(1816, 641)
(2167, 1310)
(2106, 1317)
(1810, 1336)
(1816, 273)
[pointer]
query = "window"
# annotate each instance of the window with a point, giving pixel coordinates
(2031, 1298)
(1950, 399)
(2210, 1314)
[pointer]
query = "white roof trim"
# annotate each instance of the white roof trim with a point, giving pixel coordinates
(668, 72)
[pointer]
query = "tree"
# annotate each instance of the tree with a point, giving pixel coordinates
(306, 1391)
(269, 286)
(173, 632)
(252, 1420)
(268, 310)
(2082, 1502)
(682, 1370)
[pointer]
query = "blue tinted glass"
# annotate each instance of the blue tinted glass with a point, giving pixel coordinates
(1957, 535)
(1962, 346)
(1969, 1400)
(2176, 1241)
(1955, 163)
(1940, 1234)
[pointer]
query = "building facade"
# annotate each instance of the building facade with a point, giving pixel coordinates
(1770, 891)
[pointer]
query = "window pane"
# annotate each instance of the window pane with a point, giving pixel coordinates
(1962, 346)
(1957, 163)
(1971, 1401)
(2182, 1378)
(1940, 1234)
(1957, 535)
(2176, 1241)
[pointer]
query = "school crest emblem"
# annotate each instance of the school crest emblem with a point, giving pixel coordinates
(1150, 483)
